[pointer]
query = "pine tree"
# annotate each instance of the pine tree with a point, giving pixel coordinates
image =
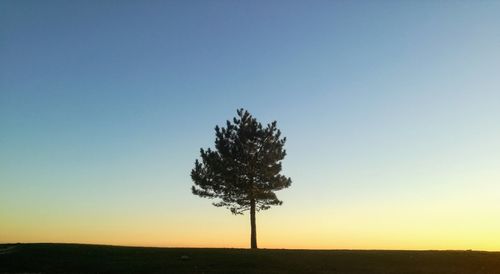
(243, 171)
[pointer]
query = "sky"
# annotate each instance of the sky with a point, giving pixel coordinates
(390, 109)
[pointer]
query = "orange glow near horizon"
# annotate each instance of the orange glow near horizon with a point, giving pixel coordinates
(375, 227)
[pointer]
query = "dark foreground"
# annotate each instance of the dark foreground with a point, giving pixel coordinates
(76, 258)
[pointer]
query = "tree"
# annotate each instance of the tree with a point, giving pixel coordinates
(243, 171)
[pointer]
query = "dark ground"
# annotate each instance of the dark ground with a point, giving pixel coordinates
(77, 258)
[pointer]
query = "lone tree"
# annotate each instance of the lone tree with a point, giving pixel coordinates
(243, 171)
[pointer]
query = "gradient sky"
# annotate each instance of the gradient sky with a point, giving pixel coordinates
(391, 110)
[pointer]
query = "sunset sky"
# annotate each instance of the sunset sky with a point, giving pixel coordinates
(391, 110)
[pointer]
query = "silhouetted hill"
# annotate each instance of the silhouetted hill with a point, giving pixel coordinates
(82, 258)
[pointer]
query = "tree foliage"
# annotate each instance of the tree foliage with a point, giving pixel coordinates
(245, 166)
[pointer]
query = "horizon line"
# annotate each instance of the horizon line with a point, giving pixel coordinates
(264, 248)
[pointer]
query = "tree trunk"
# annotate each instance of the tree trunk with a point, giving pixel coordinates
(253, 234)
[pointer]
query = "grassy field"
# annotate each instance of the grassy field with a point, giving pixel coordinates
(77, 258)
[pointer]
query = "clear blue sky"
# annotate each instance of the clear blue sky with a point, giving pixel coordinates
(391, 110)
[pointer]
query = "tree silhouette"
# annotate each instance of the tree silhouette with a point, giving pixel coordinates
(243, 171)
